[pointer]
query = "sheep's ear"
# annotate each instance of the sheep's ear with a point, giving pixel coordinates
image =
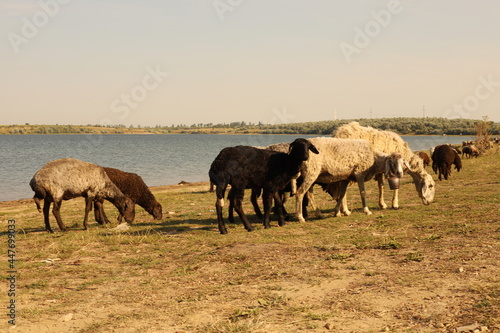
(313, 148)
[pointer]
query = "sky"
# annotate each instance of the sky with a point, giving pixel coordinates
(170, 62)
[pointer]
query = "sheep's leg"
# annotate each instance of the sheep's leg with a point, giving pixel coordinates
(56, 210)
(230, 211)
(280, 210)
(219, 203)
(362, 192)
(255, 194)
(88, 208)
(343, 207)
(342, 190)
(299, 197)
(238, 206)
(46, 211)
(100, 214)
(267, 199)
(395, 199)
(311, 201)
(381, 202)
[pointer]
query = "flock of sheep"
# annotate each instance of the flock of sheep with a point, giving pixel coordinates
(355, 154)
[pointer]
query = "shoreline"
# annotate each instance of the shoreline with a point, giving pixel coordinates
(157, 188)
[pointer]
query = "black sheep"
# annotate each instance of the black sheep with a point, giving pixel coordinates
(249, 167)
(443, 158)
(132, 185)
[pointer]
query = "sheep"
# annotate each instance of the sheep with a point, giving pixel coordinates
(132, 185)
(341, 160)
(249, 167)
(385, 164)
(69, 178)
(425, 158)
(443, 158)
(389, 142)
(470, 151)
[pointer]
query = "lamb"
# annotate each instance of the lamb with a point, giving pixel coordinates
(389, 142)
(249, 167)
(341, 160)
(69, 178)
(132, 185)
(443, 158)
(425, 158)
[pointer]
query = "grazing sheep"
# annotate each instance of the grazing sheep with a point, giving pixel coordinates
(385, 164)
(425, 158)
(443, 158)
(69, 178)
(342, 161)
(132, 185)
(470, 151)
(389, 142)
(249, 167)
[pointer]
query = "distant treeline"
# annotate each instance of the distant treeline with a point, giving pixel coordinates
(403, 126)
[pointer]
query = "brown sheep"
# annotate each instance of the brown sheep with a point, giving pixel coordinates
(425, 158)
(443, 158)
(132, 185)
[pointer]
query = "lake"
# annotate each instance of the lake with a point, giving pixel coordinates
(158, 159)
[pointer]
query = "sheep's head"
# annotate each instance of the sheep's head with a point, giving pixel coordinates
(300, 148)
(394, 165)
(157, 211)
(425, 186)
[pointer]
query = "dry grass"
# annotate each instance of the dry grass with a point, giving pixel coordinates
(418, 269)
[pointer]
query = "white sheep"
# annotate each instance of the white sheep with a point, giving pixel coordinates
(389, 142)
(387, 165)
(69, 178)
(340, 160)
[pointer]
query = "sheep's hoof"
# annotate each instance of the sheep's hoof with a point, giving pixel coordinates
(395, 208)
(346, 213)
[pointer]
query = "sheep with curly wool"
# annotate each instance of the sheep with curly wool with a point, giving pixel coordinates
(389, 142)
(133, 186)
(341, 160)
(69, 178)
(388, 165)
(249, 167)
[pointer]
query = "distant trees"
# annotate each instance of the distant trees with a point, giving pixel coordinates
(404, 126)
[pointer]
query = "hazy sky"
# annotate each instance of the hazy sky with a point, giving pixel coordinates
(163, 62)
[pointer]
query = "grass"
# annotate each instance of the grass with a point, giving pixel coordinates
(417, 269)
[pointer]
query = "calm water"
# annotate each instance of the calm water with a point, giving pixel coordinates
(158, 159)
